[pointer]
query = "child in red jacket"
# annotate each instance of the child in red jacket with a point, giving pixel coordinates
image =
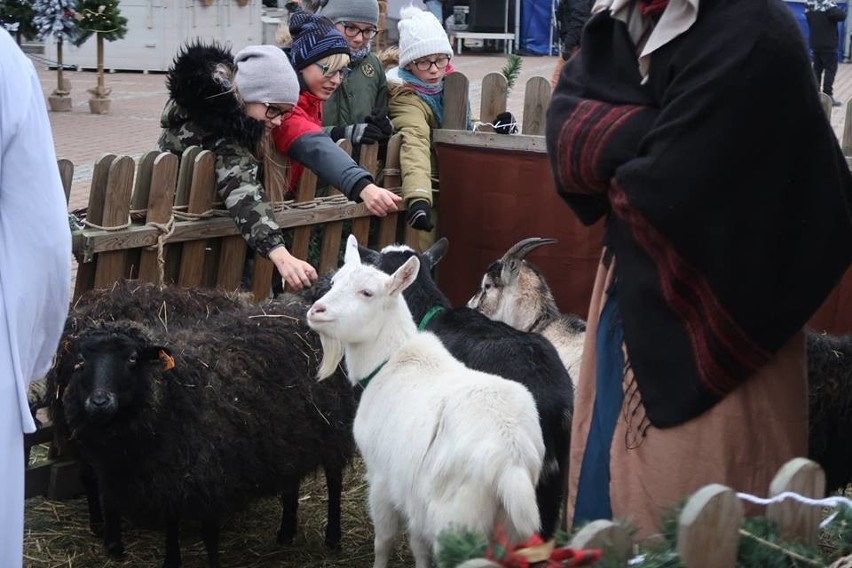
(320, 55)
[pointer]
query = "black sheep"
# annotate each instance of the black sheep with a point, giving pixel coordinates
(239, 416)
(830, 406)
(494, 347)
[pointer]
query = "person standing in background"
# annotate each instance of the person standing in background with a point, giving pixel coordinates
(823, 17)
(358, 109)
(35, 281)
(571, 16)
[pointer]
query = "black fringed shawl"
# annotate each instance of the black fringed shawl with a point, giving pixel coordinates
(727, 194)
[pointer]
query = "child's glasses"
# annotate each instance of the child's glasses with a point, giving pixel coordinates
(353, 31)
(343, 72)
(426, 64)
(273, 112)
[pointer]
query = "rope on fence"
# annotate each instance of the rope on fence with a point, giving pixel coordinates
(166, 229)
(835, 501)
(88, 223)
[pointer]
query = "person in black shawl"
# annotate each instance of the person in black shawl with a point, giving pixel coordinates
(728, 224)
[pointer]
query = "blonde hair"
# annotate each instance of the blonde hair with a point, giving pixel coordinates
(282, 36)
(335, 61)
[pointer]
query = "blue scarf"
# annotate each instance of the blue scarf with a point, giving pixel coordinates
(433, 95)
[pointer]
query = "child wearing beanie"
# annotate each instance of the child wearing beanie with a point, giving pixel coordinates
(228, 104)
(358, 109)
(416, 107)
(320, 55)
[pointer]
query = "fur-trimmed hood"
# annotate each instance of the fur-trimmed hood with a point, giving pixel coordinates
(201, 91)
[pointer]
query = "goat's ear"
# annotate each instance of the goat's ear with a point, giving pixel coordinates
(404, 276)
(509, 273)
(436, 252)
(351, 256)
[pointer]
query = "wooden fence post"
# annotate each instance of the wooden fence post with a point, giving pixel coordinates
(797, 521)
(709, 528)
(200, 199)
(536, 101)
(456, 101)
(495, 91)
(847, 131)
(94, 214)
(111, 266)
(610, 537)
(160, 197)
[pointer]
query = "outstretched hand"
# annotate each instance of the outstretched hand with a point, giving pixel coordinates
(296, 273)
(380, 201)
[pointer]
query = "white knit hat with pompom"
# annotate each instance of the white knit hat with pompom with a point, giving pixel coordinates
(420, 34)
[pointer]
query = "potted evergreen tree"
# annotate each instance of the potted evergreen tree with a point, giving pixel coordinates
(55, 18)
(102, 19)
(17, 17)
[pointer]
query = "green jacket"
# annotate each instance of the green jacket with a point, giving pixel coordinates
(414, 120)
(363, 90)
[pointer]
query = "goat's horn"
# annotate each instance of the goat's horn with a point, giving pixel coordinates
(522, 248)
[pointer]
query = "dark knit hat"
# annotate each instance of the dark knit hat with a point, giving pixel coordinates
(314, 38)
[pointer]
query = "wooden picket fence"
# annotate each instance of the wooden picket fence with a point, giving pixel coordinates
(159, 220)
(709, 533)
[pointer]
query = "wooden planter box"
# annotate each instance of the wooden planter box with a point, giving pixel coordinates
(497, 190)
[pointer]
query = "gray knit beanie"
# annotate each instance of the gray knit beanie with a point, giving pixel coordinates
(366, 11)
(265, 75)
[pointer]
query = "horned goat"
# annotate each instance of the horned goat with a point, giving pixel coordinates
(515, 292)
(494, 347)
(444, 446)
(238, 417)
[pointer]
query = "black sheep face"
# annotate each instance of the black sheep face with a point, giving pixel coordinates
(111, 373)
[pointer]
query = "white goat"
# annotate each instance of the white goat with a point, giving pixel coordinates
(514, 291)
(445, 447)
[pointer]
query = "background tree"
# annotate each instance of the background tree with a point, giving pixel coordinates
(17, 16)
(55, 18)
(103, 19)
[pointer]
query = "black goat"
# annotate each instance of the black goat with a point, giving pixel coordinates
(239, 416)
(830, 406)
(494, 347)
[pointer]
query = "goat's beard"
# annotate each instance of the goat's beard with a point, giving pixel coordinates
(332, 353)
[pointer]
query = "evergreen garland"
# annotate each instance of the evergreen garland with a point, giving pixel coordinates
(760, 545)
(102, 17)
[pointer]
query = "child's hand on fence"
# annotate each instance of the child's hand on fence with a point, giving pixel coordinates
(379, 200)
(296, 273)
(420, 215)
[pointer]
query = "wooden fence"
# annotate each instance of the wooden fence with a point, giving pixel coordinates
(160, 219)
(709, 532)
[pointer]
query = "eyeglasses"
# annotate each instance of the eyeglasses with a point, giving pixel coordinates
(426, 64)
(353, 31)
(273, 112)
(343, 71)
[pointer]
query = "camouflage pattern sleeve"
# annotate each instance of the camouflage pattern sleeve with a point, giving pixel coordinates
(237, 184)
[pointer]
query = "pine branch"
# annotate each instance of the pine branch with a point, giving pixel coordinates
(512, 69)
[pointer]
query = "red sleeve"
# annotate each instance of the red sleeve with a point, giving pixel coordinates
(296, 125)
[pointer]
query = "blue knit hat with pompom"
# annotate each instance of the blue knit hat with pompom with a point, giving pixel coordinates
(314, 38)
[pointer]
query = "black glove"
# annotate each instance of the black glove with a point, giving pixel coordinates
(420, 215)
(361, 133)
(380, 120)
(505, 123)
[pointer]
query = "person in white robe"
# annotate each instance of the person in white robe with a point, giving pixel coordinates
(35, 273)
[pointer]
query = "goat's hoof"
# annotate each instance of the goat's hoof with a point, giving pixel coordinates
(115, 550)
(285, 537)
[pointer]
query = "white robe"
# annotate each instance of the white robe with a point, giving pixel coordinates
(35, 273)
